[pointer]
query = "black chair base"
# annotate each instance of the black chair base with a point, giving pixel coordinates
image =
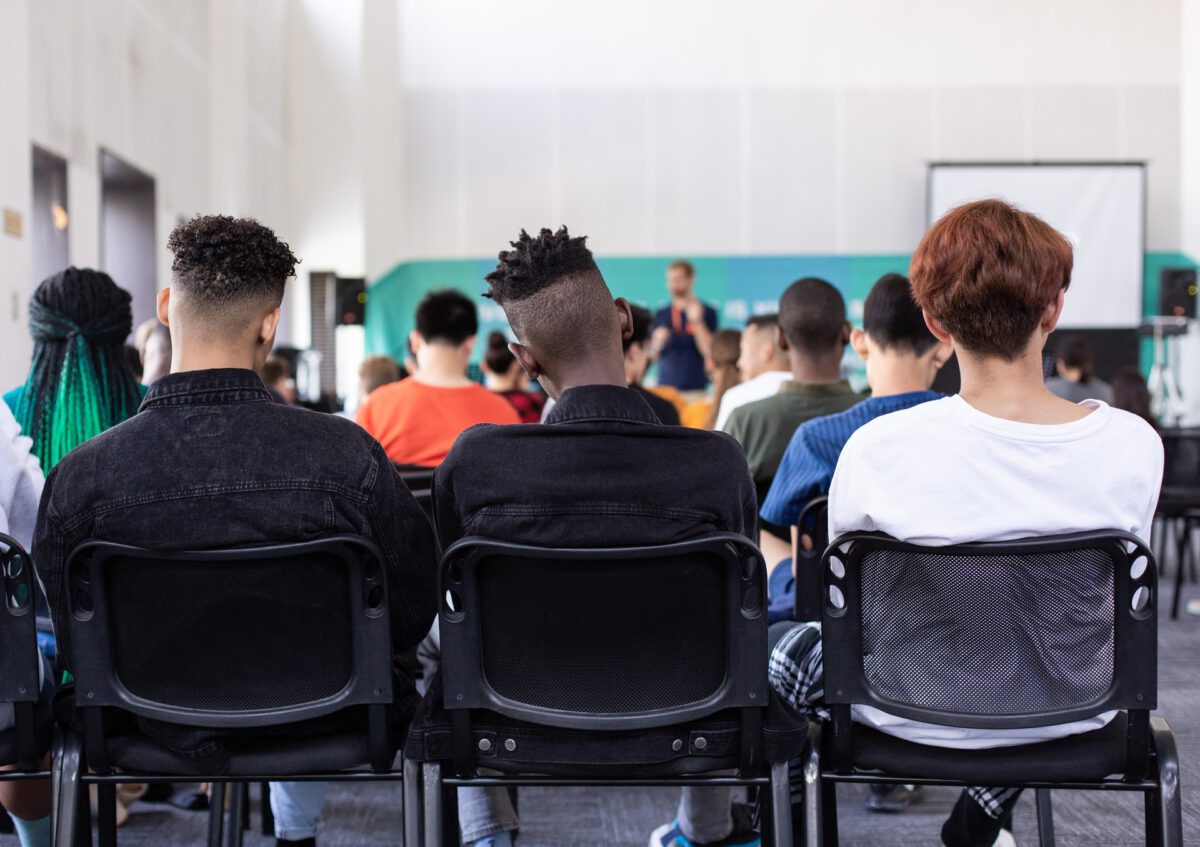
(1164, 815)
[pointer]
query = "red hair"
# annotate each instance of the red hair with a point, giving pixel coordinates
(987, 271)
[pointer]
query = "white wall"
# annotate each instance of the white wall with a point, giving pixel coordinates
(190, 91)
(703, 127)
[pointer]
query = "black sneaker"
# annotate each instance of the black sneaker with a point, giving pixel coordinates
(892, 799)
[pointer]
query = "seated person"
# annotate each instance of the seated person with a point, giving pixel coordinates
(211, 462)
(27, 801)
(902, 358)
(1003, 459)
(80, 382)
(376, 372)
(1074, 370)
(502, 373)
(762, 364)
(813, 332)
(601, 465)
(637, 362)
(721, 365)
(417, 419)
(277, 377)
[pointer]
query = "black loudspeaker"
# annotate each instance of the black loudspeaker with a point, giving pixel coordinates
(1177, 292)
(351, 301)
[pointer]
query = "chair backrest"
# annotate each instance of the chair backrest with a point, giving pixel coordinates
(415, 477)
(1003, 635)
(604, 639)
(232, 638)
(18, 653)
(813, 522)
(1181, 461)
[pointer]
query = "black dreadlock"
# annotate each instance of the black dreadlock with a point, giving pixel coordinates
(535, 263)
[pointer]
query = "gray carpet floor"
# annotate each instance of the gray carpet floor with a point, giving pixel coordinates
(369, 815)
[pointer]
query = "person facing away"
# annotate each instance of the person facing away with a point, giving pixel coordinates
(637, 362)
(417, 419)
(683, 331)
(1130, 393)
(276, 375)
(813, 333)
(1074, 369)
(602, 470)
(80, 382)
(210, 461)
(902, 358)
(721, 363)
(1003, 459)
(763, 366)
(502, 373)
(376, 372)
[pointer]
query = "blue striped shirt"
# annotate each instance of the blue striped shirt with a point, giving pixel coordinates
(811, 456)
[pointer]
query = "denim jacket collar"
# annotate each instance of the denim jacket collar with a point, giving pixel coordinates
(601, 403)
(216, 386)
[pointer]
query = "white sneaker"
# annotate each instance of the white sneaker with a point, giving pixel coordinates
(1004, 839)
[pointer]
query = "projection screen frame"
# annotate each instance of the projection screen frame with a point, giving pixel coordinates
(1065, 163)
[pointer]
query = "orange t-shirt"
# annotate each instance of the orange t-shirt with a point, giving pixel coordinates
(417, 423)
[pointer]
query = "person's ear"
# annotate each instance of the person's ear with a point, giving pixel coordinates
(415, 342)
(268, 327)
(1053, 312)
(781, 342)
(624, 318)
(847, 329)
(525, 359)
(858, 340)
(163, 307)
(935, 326)
(939, 354)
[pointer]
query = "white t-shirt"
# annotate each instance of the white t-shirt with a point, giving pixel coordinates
(760, 388)
(946, 473)
(21, 480)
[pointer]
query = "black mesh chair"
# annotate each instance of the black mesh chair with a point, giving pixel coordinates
(254, 644)
(1179, 502)
(998, 636)
(627, 666)
(24, 744)
(814, 523)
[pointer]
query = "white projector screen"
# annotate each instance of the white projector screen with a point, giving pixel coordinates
(1099, 207)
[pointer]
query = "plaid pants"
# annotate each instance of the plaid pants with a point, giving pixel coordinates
(797, 673)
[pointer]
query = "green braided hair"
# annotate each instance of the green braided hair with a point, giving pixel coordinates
(80, 382)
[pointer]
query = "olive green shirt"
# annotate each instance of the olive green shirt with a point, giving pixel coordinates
(765, 427)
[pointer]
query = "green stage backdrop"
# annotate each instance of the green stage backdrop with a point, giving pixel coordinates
(738, 286)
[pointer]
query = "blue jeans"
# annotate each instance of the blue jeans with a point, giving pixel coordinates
(297, 808)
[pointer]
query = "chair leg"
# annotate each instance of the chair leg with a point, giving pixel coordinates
(83, 817)
(1181, 546)
(814, 835)
(1045, 818)
(66, 806)
(265, 813)
(829, 814)
(431, 789)
(1164, 823)
(106, 804)
(216, 813)
(235, 794)
(412, 803)
(781, 805)
(245, 789)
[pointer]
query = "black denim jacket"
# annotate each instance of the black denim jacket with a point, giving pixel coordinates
(210, 461)
(601, 471)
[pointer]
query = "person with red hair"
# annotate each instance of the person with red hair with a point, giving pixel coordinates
(1003, 459)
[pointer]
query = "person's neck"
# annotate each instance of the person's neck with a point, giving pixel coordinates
(209, 358)
(442, 367)
(595, 373)
(494, 382)
(817, 369)
(772, 367)
(890, 376)
(1015, 390)
(681, 301)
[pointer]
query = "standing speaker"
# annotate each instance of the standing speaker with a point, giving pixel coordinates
(351, 301)
(1177, 292)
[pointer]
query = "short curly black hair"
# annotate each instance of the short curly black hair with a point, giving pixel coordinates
(535, 263)
(222, 262)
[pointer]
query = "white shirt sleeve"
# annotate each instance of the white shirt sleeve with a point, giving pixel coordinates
(21, 480)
